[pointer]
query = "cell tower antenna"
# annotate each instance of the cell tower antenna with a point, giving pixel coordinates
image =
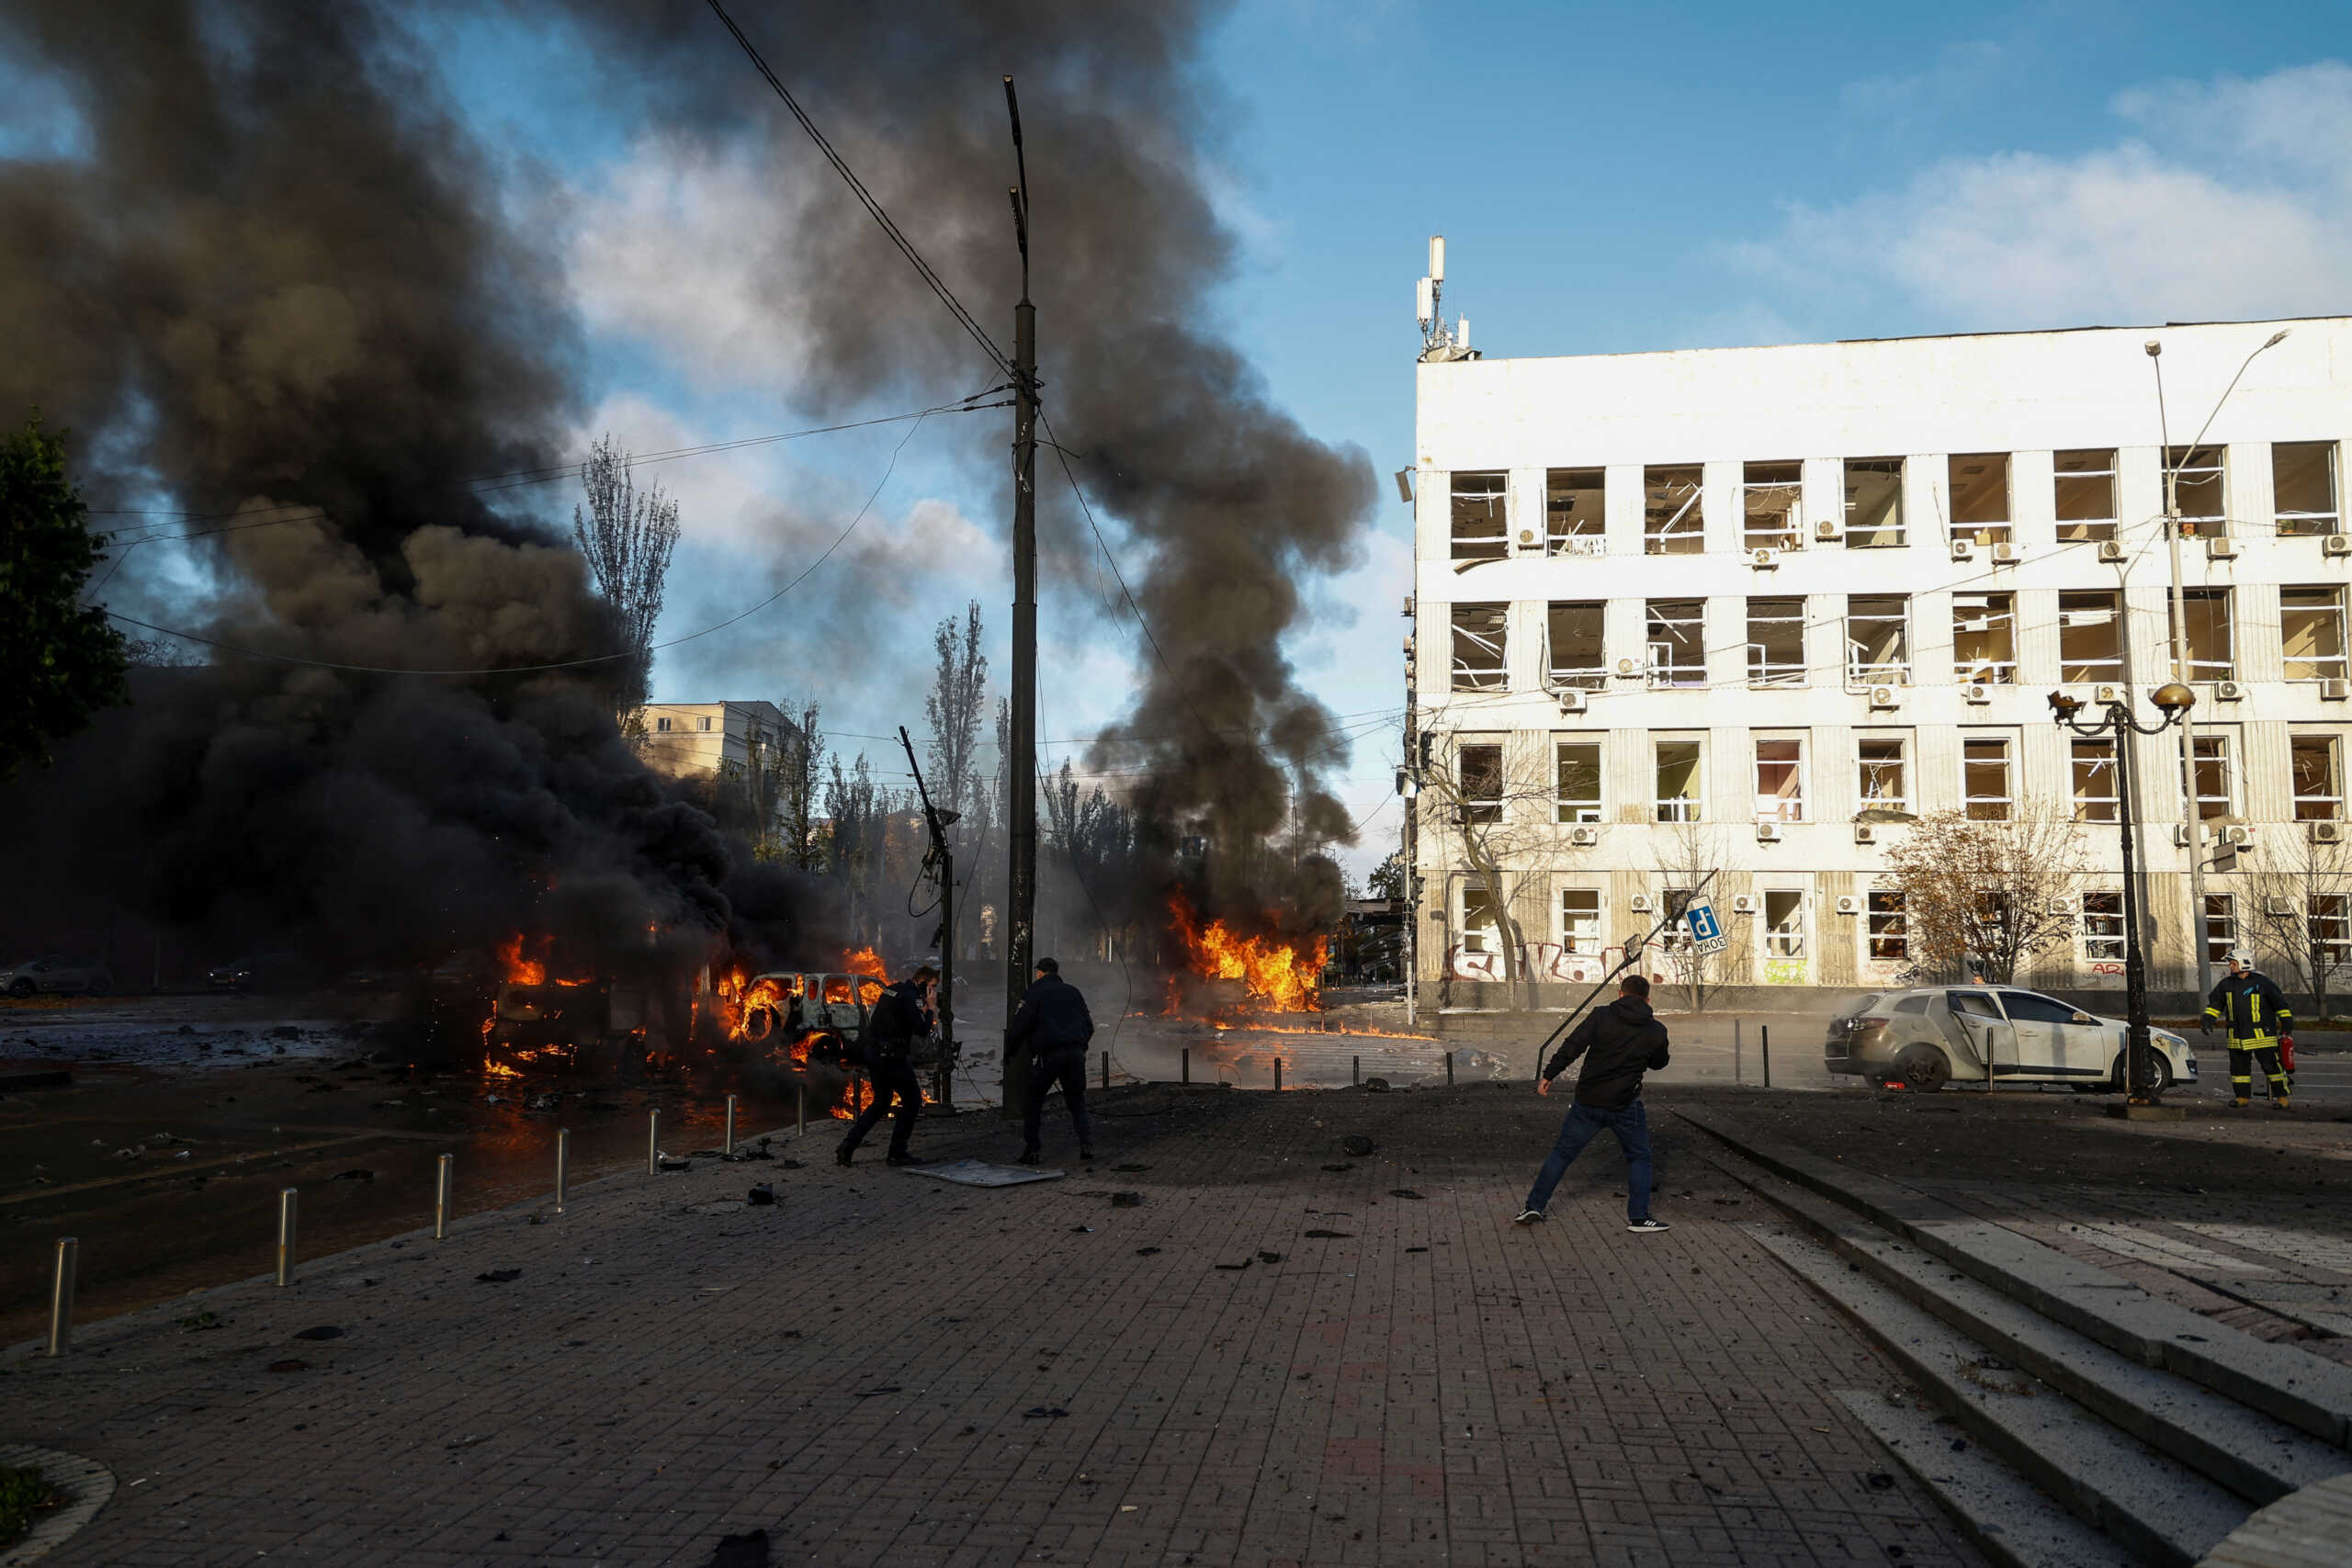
(1439, 344)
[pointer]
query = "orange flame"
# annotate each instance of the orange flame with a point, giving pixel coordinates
(864, 961)
(520, 971)
(1274, 970)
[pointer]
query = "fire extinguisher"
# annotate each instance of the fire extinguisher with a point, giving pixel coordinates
(2286, 1055)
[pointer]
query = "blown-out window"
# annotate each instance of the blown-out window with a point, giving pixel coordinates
(1574, 649)
(2084, 486)
(2090, 636)
(1480, 523)
(1770, 506)
(1580, 921)
(2303, 484)
(1677, 641)
(1984, 778)
(2310, 633)
(2211, 653)
(1776, 642)
(1576, 770)
(1889, 936)
(1878, 641)
(2095, 798)
(1679, 795)
(1673, 521)
(1980, 497)
(2102, 928)
(1883, 780)
(1984, 639)
(1574, 518)
(2319, 792)
(2197, 479)
(1873, 503)
(1780, 781)
(1482, 781)
(1480, 647)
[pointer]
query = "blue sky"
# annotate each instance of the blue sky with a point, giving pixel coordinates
(1610, 179)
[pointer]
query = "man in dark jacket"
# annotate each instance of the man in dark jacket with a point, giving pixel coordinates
(1619, 1043)
(2254, 1014)
(900, 1016)
(1054, 1027)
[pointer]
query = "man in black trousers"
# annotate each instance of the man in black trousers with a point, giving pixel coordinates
(900, 1016)
(1619, 1042)
(1054, 1027)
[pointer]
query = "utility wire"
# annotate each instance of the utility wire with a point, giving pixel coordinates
(566, 663)
(865, 198)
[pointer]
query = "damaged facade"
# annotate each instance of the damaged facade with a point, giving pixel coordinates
(1754, 610)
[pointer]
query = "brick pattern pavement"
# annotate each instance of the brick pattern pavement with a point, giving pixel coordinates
(850, 1369)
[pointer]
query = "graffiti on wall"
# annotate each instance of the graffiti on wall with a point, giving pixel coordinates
(1785, 972)
(1541, 960)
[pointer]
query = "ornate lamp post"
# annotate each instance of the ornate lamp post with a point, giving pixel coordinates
(2174, 701)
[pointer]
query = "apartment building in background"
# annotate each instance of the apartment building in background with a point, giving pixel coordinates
(1754, 610)
(682, 738)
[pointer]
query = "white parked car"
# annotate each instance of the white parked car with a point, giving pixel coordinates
(1933, 1035)
(53, 973)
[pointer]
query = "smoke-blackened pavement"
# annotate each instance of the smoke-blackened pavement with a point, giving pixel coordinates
(883, 1368)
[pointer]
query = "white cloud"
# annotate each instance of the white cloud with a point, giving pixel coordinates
(2235, 200)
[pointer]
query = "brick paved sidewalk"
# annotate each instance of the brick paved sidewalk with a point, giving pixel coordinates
(850, 1369)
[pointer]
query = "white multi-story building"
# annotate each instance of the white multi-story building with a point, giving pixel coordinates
(682, 738)
(1763, 606)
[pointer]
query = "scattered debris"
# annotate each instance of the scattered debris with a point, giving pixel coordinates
(1356, 1146)
(289, 1366)
(325, 1331)
(1127, 1200)
(1081, 1230)
(1343, 1235)
(1131, 1167)
(1403, 1192)
(1879, 1481)
(285, 1032)
(1243, 1264)
(1985, 1374)
(1375, 1085)
(1044, 1412)
(785, 1164)
(740, 1551)
(667, 1162)
(875, 1393)
(1146, 1251)
(1342, 1167)
(498, 1276)
(475, 1441)
(195, 1323)
(355, 1175)
(762, 1196)
(1417, 1249)
(1265, 1257)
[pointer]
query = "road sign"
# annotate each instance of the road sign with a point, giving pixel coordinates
(1705, 930)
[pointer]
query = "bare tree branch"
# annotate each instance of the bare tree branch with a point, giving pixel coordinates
(627, 539)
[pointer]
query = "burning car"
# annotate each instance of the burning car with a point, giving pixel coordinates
(804, 1017)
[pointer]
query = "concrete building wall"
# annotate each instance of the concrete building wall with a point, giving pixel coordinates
(2027, 396)
(703, 738)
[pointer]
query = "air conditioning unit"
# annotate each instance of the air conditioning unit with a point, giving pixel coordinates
(2004, 555)
(1641, 903)
(2334, 691)
(1865, 833)
(2062, 907)
(2111, 551)
(1768, 832)
(1848, 905)
(2327, 832)
(2278, 906)
(1627, 669)
(1409, 606)
(1961, 549)
(1584, 837)
(2103, 696)
(2228, 691)
(1884, 697)
(1408, 645)
(2336, 545)
(2236, 837)
(1571, 699)
(2180, 832)
(1825, 530)
(1763, 559)
(1977, 693)
(2221, 547)
(1743, 904)
(1527, 538)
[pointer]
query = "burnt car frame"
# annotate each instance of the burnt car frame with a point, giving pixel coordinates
(1927, 1036)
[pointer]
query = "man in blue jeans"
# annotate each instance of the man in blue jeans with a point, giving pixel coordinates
(1620, 1043)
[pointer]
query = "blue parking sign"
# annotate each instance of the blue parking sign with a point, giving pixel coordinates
(1705, 930)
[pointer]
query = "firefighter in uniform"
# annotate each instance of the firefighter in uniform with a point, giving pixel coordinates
(2254, 1015)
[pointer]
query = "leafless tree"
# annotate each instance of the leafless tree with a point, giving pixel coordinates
(1500, 815)
(2299, 912)
(959, 695)
(1988, 895)
(854, 804)
(799, 781)
(1693, 857)
(627, 539)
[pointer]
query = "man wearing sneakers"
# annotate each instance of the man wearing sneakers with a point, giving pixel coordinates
(1620, 1043)
(1054, 1027)
(2254, 1014)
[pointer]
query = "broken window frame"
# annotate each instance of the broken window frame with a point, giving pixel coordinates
(2318, 792)
(1866, 666)
(1579, 808)
(2101, 926)
(2075, 669)
(2203, 620)
(2198, 478)
(1473, 778)
(1578, 912)
(1882, 528)
(1999, 634)
(1473, 893)
(1771, 506)
(1973, 493)
(2330, 925)
(2215, 775)
(1779, 778)
(1481, 646)
(2319, 618)
(2090, 770)
(1886, 928)
(2221, 925)
(1876, 759)
(1781, 620)
(1785, 935)
(1689, 807)
(1992, 752)
(1567, 530)
(1593, 677)
(2305, 521)
(1671, 630)
(1674, 519)
(2088, 491)
(1478, 518)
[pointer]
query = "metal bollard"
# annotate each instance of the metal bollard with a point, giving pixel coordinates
(801, 1119)
(1764, 1044)
(654, 1143)
(562, 1165)
(1106, 1069)
(444, 1178)
(730, 1124)
(1449, 1069)
(1355, 1073)
(1278, 1075)
(1738, 1051)
(286, 1202)
(60, 1295)
(1187, 1065)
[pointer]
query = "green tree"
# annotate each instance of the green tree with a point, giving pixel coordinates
(59, 661)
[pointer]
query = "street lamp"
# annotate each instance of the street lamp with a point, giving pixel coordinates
(2174, 701)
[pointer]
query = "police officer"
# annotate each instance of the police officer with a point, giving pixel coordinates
(2257, 1020)
(1054, 1027)
(899, 1016)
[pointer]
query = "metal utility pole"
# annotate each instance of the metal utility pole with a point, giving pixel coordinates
(943, 1087)
(1019, 767)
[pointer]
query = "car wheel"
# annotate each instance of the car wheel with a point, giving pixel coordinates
(20, 987)
(2158, 1071)
(759, 1023)
(1922, 1069)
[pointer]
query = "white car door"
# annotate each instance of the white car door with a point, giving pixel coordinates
(1981, 1023)
(2044, 1026)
